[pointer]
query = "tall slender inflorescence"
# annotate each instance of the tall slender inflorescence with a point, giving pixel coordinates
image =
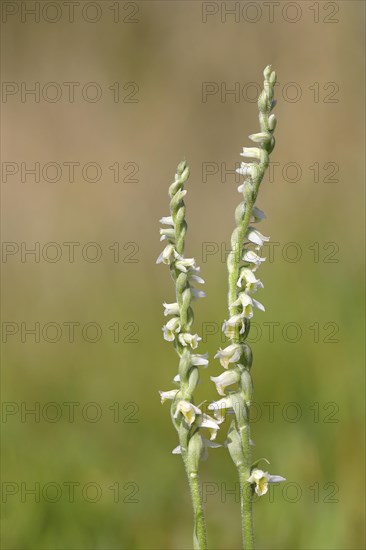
(243, 261)
(188, 419)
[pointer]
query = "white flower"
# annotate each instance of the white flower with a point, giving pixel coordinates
(206, 421)
(165, 395)
(253, 258)
(172, 328)
(168, 255)
(188, 410)
(183, 263)
(167, 220)
(199, 360)
(251, 153)
(254, 236)
(167, 234)
(219, 407)
(195, 278)
(227, 378)
(248, 170)
(176, 378)
(187, 339)
(229, 327)
(260, 137)
(251, 282)
(258, 215)
(197, 293)
(261, 480)
(230, 354)
(171, 309)
(247, 304)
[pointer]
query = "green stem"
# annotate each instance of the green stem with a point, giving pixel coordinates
(199, 534)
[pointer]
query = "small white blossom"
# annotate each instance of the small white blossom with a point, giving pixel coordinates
(187, 339)
(167, 234)
(195, 278)
(251, 153)
(248, 170)
(254, 236)
(261, 480)
(251, 282)
(183, 263)
(206, 421)
(261, 137)
(165, 395)
(172, 328)
(188, 410)
(199, 360)
(171, 309)
(247, 303)
(230, 354)
(253, 258)
(167, 220)
(229, 327)
(168, 255)
(197, 293)
(227, 378)
(219, 407)
(258, 215)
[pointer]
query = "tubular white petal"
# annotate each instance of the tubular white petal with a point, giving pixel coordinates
(196, 279)
(258, 214)
(230, 354)
(276, 479)
(199, 360)
(227, 378)
(258, 305)
(196, 293)
(187, 339)
(260, 137)
(188, 410)
(167, 395)
(171, 309)
(252, 257)
(251, 152)
(166, 220)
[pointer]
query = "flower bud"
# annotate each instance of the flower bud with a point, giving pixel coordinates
(272, 121)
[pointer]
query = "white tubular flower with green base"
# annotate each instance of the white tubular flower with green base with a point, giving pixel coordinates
(187, 418)
(242, 264)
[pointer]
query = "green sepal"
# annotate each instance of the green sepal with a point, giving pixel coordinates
(234, 445)
(195, 448)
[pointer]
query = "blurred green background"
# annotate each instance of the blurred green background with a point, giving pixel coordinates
(103, 476)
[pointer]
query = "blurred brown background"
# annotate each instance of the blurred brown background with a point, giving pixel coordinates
(124, 85)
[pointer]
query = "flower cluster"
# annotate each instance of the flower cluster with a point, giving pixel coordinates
(188, 419)
(260, 480)
(235, 383)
